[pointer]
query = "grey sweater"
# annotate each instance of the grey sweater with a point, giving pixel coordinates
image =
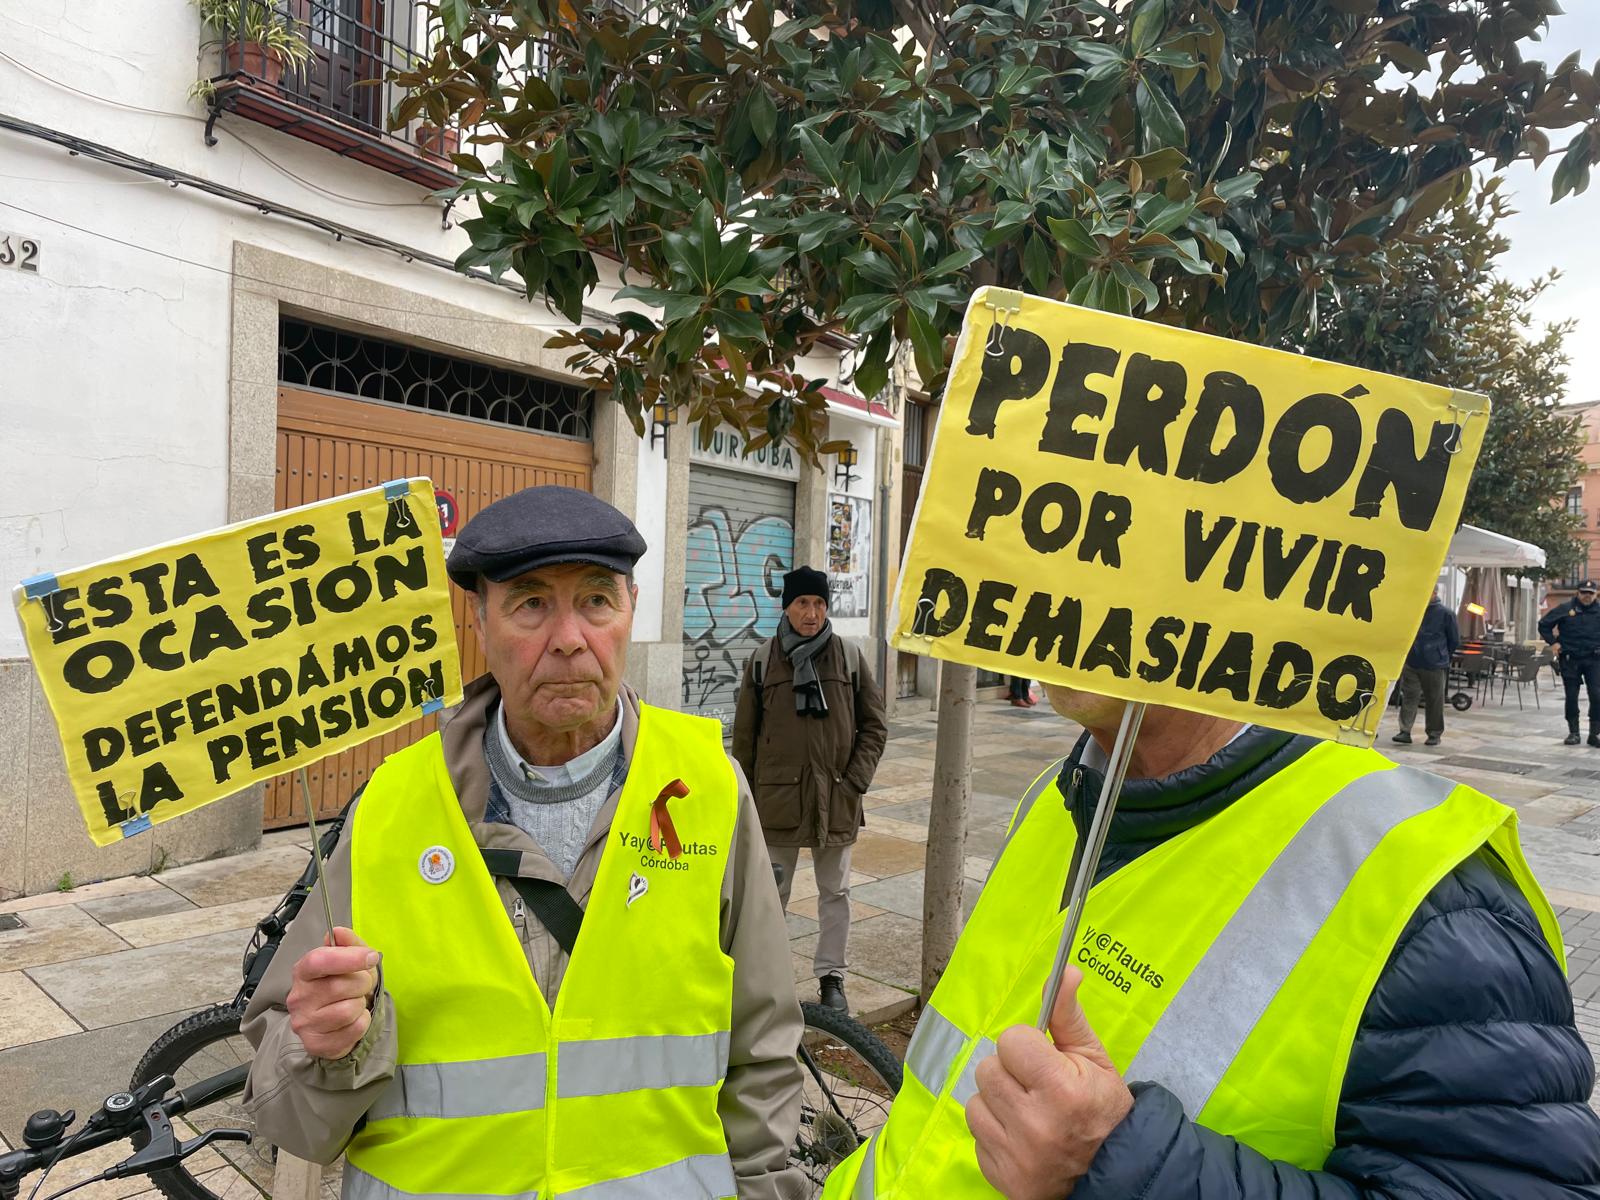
(556, 807)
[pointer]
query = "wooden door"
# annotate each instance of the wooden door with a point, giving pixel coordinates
(330, 445)
(348, 42)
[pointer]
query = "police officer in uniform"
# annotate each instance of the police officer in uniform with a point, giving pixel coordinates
(585, 983)
(1573, 629)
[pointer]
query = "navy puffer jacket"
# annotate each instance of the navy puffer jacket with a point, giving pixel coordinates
(1467, 1080)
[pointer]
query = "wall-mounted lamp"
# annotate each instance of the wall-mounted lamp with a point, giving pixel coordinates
(842, 475)
(661, 416)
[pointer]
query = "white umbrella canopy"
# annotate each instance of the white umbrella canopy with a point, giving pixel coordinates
(1474, 547)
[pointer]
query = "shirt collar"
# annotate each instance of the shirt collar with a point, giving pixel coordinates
(567, 772)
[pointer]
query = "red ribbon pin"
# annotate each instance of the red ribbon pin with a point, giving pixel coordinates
(661, 828)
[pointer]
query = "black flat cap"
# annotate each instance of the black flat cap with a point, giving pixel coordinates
(540, 527)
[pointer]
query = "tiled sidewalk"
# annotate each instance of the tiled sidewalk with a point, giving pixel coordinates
(98, 973)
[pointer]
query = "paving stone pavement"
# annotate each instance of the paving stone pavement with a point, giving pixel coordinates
(96, 974)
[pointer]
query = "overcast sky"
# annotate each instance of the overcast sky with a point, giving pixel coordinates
(1566, 235)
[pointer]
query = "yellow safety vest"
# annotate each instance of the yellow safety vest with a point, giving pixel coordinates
(613, 1096)
(1231, 964)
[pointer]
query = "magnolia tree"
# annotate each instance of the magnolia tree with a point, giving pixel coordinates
(1444, 311)
(770, 175)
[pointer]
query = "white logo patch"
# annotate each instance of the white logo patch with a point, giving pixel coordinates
(637, 886)
(436, 864)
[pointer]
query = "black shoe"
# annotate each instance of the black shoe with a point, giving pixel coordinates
(1403, 737)
(1572, 739)
(1433, 740)
(833, 993)
(1594, 737)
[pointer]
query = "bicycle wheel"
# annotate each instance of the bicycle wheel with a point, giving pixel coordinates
(850, 1078)
(198, 1047)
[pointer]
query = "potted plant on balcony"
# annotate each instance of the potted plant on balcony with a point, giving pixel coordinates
(258, 40)
(438, 142)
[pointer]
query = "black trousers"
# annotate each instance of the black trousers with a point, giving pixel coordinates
(1020, 687)
(1426, 687)
(1582, 672)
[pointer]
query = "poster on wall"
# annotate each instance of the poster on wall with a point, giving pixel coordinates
(849, 553)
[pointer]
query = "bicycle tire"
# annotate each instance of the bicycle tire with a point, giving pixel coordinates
(248, 1166)
(841, 1104)
(858, 1037)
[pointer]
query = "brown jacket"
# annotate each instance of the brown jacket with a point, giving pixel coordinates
(809, 773)
(310, 1106)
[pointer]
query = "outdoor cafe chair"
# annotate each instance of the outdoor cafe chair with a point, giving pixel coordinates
(1524, 667)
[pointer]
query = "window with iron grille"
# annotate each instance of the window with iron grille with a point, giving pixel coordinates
(1575, 502)
(1578, 571)
(321, 359)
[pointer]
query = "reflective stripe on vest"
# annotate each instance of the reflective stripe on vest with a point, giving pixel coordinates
(358, 1185)
(612, 1092)
(635, 1064)
(702, 1175)
(1231, 964)
(481, 1088)
(516, 1083)
(1197, 1038)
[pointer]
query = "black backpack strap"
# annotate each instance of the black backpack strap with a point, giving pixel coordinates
(551, 903)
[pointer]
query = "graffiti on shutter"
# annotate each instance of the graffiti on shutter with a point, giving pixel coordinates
(740, 543)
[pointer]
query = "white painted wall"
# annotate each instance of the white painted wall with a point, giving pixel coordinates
(651, 521)
(113, 401)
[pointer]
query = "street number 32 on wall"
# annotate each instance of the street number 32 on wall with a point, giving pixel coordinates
(18, 252)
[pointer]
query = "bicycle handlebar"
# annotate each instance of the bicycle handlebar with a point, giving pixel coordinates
(123, 1114)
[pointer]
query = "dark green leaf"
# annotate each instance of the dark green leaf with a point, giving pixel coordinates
(1036, 263)
(1159, 122)
(1136, 284)
(763, 116)
(1071, 234)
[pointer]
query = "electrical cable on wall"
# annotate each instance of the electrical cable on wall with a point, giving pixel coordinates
(278, 286)
(339, 231)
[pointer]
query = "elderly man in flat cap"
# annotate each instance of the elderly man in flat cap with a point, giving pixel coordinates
(561, 966)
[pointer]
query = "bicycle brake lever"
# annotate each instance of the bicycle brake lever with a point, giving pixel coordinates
(213, 1135)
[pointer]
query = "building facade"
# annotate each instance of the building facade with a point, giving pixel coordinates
(1583, 500)
(242, 301)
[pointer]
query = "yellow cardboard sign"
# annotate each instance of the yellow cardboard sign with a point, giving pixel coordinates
(183, 673)
(1169, 517)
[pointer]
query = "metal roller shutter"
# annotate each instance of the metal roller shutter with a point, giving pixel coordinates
(741, 541)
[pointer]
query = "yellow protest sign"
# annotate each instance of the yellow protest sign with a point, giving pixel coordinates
(183, 673)
(1169, 517)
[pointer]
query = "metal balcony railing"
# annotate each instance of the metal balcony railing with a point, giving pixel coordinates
(350, 47)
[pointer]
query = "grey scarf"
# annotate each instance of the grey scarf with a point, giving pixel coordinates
(801, 653)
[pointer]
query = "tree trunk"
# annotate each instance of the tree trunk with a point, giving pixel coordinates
(944, 876)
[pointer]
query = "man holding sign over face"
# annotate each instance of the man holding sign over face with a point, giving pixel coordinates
(1301, 971)
(498, 1053)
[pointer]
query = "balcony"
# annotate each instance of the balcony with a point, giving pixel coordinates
(337, 98)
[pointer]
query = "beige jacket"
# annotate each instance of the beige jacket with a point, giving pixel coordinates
(310, 1106)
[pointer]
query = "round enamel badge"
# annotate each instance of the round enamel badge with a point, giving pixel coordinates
(436, 864)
